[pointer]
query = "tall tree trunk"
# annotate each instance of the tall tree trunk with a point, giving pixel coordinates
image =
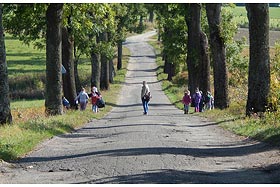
(151, 16)
(53, 102)
(193, 45)
(95, 66)
(111, 71)
(219, 56)
(159, 34)
(69, 86)
(141, 24)
(259, 65)
(104, 77)
(205, 64)
(166, 63)
(171, 71)
(77, 79)
(111, 62)
(120, 51)
(5, 111)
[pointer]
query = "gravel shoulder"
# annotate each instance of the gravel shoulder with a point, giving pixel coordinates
(165, 146)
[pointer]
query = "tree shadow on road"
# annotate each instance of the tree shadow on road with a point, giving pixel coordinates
(195, 152)
(169, 176)
(214, 123)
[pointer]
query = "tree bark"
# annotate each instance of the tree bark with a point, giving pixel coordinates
(171, 71)
(111, 71)
(77, 79)
(151, 16)
(193, 45)
(53, 102)
(169, 67)
(111, 62)
(104, 77)
(5, 111)
(204, 83)
(166, 63)
(219, 56)
(95, 66)
(120, 51)
(259, 64)
(69, 86)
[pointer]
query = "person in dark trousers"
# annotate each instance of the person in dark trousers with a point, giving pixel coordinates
(145, 97)
(83, 99)
(202, 101)
(197, 97)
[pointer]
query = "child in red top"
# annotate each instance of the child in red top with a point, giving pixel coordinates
(94, 98)
(186, 100)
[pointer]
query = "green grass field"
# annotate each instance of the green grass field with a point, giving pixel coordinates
(23, 59)
(240, 17)
(27, 66)
(274, 12)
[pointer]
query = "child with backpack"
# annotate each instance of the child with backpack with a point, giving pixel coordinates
(209, 101)
(197, 98)
(95, 96)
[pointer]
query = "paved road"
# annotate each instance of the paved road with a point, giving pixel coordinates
(162, 147)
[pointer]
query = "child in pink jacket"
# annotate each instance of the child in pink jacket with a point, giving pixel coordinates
(187, 100)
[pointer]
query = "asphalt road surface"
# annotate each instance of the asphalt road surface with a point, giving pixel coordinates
(164, 146)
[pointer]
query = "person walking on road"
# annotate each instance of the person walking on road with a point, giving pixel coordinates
(197, 97)
(145, 97)
(95, 96)
(186, 101)
(83, 98)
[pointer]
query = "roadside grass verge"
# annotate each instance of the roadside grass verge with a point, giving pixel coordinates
(31, 127)
(266, 129)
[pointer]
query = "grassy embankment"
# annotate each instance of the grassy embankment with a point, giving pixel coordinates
(233, 118)
(26, 67)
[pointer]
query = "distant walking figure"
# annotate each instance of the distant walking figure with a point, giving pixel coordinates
(145, 97)
(83, 98)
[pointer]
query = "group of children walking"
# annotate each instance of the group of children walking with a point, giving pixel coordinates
(198, 100)
(83, 97)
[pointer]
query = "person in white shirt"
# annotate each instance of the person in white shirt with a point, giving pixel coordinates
(83, 98)
(145, 97)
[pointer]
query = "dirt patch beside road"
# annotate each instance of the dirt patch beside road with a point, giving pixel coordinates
(273, 36)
